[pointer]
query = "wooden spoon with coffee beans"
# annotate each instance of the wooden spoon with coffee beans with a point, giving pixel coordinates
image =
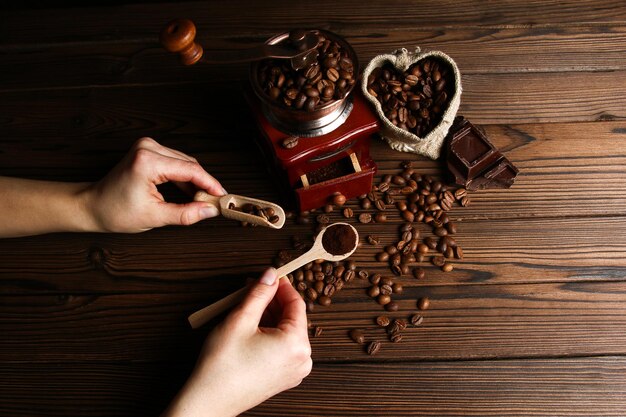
(335, 243)
(246, 209)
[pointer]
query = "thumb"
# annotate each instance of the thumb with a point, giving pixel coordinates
(259, 296)
(186, 214)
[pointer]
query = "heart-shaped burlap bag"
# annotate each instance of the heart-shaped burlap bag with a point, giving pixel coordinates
(411, 128)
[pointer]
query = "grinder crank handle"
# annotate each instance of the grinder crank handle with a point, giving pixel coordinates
(179, 36)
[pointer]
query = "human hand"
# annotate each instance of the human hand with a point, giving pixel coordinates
(127, 200)
(261, 349)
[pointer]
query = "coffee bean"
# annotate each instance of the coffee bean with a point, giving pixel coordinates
(383, 187)
(395, 337)
(397, 288)
(458, 252)
(422, 248)
(449, 252)
(401, 205)
(324, 300)
(396, 269)
(357, 336)
(382, 257)
(383, 299)
(419, 273)
(351, 265)
(323, 219)
(416, 319)
(348, 213)
(338, 271)
(373, 348)
(349, 276)
(373, 291)
(363, 274)
(465, 201)
(374, 279)
(365, 218)
(392, 306)
(423, 303)
(383, 321)
(386, 289)
(339, 199)
(438, 260)
(460, 193)
(290, 142)
(451, 228)
(366, 204)
(447, 267)
(380, 205)
(440, 231)
(329, 290)
(317, 332)
(398, 180)
(373, 239)
(431, 242)
(408, 216)
(311, 294)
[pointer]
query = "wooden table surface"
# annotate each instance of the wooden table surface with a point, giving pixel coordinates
(531, 322)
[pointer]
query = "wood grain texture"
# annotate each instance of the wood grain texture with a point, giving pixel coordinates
(468, 322)
(586, 387)
(476, 51)
(220, 18)
(531, 322)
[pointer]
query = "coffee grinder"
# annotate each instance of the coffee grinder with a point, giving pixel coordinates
(315, 154)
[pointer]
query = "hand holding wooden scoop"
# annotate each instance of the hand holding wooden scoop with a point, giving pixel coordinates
(335, 243)
(230, 206)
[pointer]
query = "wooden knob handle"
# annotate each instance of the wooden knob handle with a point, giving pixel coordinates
(179, 36)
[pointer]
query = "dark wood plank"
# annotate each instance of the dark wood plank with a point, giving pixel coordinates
(509, 50)
(573, 387)
(469, 322)
(220, 18)
(547, 387)
(206, 258)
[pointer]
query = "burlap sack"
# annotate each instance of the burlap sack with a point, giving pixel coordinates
(400, 139)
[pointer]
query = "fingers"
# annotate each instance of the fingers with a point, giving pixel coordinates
(174, 164)
(294, 309)
(171, 214)
(259, 297)
(174, 169)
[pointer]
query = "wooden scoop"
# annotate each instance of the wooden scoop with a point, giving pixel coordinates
(223, 204)
(317, 251)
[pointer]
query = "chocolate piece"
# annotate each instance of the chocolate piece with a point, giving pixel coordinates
(473, 162)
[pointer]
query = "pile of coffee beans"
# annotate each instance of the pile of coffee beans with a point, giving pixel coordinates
(267, 213)
(409, 196)
(416, 99)
(328, 78)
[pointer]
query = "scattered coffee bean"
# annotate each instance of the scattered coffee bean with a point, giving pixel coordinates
(419, 273)
(324, 300)
(358, 336)
(365, 218)
(416, 319)
(392, 306)
(373, 239)
(290, 142)
(458, 252)
(395, 337)
(447, 267)
(348, 213)
(423, 303)
(339, 199)
(317, 331)
(373, 348)
(383, 299)
(438, 260)
(383, 321)
(380, 218)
